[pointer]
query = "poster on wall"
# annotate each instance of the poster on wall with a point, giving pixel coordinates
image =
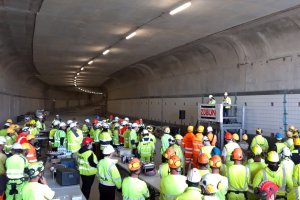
(207, 112)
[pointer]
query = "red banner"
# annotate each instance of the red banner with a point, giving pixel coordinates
(208, 112)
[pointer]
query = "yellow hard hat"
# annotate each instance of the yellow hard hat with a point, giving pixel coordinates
(296, 133)
(256, 150)
(245, 137)
(30, 136)
(297, 141)
(32, 122)
(15, 126)
(26, 146)
(200, 129)
(178, 137)
(190, 129)
(9, 121)
(292, 128)
(273, 157)
(235, 136)
(10, 130)
(289, 134)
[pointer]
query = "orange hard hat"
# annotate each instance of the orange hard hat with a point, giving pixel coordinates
(215, 161)
(134, 164)
(203, 158)
(174, 162)
(228, 136)
(237, 154)
(169, 153)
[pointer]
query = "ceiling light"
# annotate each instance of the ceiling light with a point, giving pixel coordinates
(90, 62)
(130, 35)
(78, 74)
(82, 68)
(180, 8)
(106, 52)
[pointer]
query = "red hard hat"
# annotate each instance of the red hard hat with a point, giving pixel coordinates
(87, 140)
(111, 116)
(267, 188)
(228, 136)
(95, 121)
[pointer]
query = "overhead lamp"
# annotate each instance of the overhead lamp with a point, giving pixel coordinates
(90, 62)
(180, 8)
(106, 52)
(82, 68)
(131, 35)
(78, 74)
(75, 77)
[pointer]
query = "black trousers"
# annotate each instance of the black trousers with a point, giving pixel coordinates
(87, 182)
(107, 192)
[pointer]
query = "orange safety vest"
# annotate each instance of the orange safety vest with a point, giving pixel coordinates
(31, 156)
(187, 143)
(197, 145)
(212, 138)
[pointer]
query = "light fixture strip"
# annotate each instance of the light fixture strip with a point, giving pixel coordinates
(180, 8)
(131, 35)
(106, 52)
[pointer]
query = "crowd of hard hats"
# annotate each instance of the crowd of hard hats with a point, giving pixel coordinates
(193, 165)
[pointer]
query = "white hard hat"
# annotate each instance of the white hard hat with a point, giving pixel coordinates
(167, 130)
(210, 183)
(194, 176)
(69, 122)
(116, 118)
(210, 96)
(40, 117)
(56, 123)
(57, 115)
(126, 119)
(108, 150)
(205, 138)
(25, 129)
(144, 132)
(134, 125)
(117, 125)
(123, 123)
(2, 140)
(286, 152)
(27, 118)
(209, 129)
(87, 120)
(7, 124)
(62, 124)
(72, 125)
(225, 94)
(98, 124)
(17, 146)
(105, 125)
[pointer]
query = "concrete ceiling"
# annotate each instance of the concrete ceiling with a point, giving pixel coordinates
(69, 33)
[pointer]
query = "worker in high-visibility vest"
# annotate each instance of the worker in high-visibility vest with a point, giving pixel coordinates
(203, 161)
(150, 130)
(97, 130)
(275, 173)
(104, 138)
(87, 165)
(210, 186)
(60, 136)
(228, 149)
(192, 191)
(37, 187)
(215, 164)
(164, 169)
(211, 100)
(115, 135)
(3, 158)
(32, 127)
(126, 135)
(267, 190)
(279, 144)
(296, 151)
(122, 130)
(132, 187)
(146, 147)
(244, 145)
(92, 129)
(286, 161)
(74, 138)
(15, 167)
(226, 103)
(174, 184)
(40, 124)
(207, 147)
(132, 138)
(187, 143)
(197, 145)
(165, 140)
(55, 127)
(289, 142)
(255, 165)
(295, 193)
(31, 155)
(238, 177)
(108, 175)
(211, 136)
(260, 140)
(178, 150)
(3, 131)
(10, 140)
(86, 127)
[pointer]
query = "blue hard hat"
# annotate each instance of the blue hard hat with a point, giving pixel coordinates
(216, 151)
(279, 136)
(97, 117)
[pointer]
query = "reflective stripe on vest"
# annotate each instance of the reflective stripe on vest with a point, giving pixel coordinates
(282, 187)
(108, 181)
(230, 187)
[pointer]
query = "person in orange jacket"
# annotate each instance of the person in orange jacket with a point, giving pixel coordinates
(211, 136)
(197, 145)
(187, 144)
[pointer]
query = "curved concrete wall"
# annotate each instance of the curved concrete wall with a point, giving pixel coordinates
(253, 62)
(262, 55)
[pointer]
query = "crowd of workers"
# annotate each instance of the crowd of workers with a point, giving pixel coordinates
(193, 166)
